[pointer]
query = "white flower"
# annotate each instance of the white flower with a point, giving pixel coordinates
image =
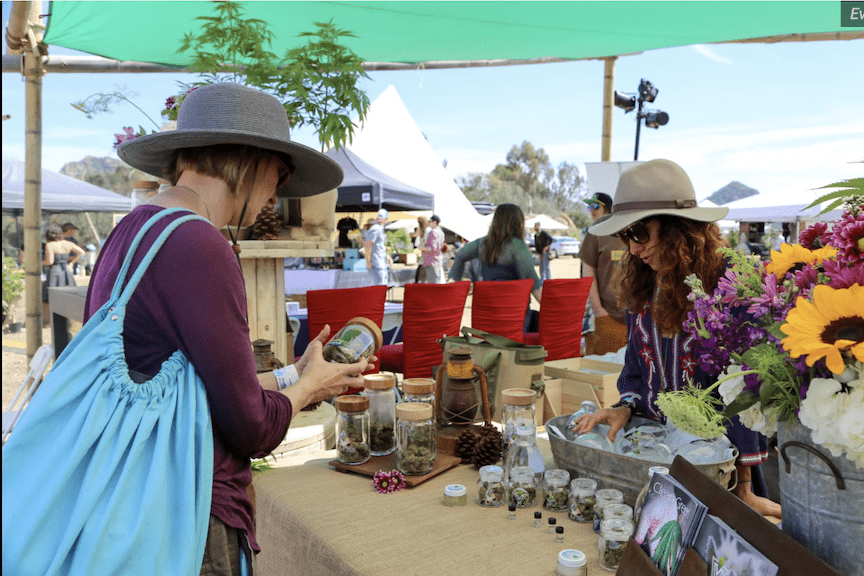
(758, 420)
(730, 389)
(836, 418)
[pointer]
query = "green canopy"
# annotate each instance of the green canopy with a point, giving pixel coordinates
(413, 32)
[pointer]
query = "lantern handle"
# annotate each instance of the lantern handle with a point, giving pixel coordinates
(484, 391)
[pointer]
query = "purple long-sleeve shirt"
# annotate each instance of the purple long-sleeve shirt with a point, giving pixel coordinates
(192, 298)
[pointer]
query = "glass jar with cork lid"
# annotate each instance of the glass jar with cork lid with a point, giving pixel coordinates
(415, 438)
(420, 390)
(352, 429)
(517, 409)
(359, 338)
(381, 391)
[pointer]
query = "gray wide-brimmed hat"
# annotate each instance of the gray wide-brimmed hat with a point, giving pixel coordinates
(654, 188)
(233, 114)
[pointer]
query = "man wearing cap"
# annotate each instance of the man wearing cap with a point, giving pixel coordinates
(375, 249)
(601, 256)
(433, 267)
(542, 242)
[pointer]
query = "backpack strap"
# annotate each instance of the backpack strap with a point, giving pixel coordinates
(126, 293)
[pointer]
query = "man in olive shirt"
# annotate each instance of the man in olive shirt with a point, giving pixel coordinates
(601, 256)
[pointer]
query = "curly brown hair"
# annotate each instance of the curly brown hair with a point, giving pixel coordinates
(689, 247)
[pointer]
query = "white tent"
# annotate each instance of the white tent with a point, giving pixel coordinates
(546, 223)
(390, 140)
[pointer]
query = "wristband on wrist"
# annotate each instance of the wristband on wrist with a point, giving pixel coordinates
(627, 404)
(286, 376)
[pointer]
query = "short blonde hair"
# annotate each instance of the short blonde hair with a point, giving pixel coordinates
(231, 163)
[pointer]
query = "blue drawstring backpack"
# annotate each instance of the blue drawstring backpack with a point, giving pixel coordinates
(103, 476)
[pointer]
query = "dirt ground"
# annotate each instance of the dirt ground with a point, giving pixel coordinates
(15, 364)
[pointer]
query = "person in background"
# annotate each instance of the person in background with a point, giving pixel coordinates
(192, 299)
(344, 226)
(60, 255)
(601, 257)
(69, 231)
(418, 238)
(375, 249)
(542, 242)
(668, 237)
(742, 246)
(433, 266)
(502, 253)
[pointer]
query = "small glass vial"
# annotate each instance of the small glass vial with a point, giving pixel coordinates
(420, 390)
(556, 495)
(621, 511)
(381, 391)
(559, 534)
(538, 517)
(522, 487)
(572, 563)
(518, 409)
(614, 534)
(415, 433)
(511, 512)
(455, 495)
(491, 490)
(352, 429)
(552, 522)
(640, 499)
(604, 497)
(359, 338)
(582, 499)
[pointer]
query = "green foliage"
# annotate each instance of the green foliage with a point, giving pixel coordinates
(13, 283)
(102, 102)
(316, 82)
(398, 241)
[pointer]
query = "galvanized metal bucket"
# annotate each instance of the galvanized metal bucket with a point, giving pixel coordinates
(823, 500)
(624, 473)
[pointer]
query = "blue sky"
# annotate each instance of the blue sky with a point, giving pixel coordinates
(782, 118)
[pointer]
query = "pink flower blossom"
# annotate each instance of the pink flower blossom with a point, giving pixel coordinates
(848, 237)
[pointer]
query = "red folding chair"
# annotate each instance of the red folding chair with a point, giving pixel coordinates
(499, 307)
(561, 311)
(430, 312)
(339, 305)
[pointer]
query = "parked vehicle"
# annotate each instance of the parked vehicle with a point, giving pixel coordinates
(564, 245)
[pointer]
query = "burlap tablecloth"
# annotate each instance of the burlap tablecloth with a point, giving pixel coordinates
(312, 520)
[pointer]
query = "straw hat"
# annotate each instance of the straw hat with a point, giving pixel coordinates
(233, 114)
(651, 189)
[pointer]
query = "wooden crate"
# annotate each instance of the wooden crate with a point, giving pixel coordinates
(585, 379)
(550, 405)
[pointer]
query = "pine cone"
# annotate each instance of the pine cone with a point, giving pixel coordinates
(487, 451)
(466, 442)
(267, 226)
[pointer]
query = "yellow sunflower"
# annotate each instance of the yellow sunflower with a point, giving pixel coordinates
(789, 256)
(831, 324)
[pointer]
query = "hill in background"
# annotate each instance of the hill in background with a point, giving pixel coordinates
(105, 172)
(731, 192)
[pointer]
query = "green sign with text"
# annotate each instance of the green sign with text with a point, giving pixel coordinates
(852, 14)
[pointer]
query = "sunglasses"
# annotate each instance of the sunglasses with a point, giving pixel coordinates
(594, 205)
(637, 232)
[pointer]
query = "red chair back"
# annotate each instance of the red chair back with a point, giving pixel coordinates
(430, 312)
(499, 307)
(337, 306)
(561, 311)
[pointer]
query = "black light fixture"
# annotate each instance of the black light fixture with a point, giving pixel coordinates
(653, 118)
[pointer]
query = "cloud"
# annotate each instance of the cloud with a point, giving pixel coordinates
(710, 53)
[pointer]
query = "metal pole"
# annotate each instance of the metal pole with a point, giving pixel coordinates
(608, 104)
(638, 126)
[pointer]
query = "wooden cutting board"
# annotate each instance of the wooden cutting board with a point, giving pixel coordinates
(442, 463)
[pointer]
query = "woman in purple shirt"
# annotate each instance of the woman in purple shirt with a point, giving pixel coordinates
(230, 155)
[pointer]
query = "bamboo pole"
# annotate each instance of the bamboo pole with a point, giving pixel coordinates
(33, 186)
(608, 105)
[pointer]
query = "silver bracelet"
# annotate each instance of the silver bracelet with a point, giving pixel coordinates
(286, 376)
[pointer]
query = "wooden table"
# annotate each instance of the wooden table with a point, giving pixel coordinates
(312, 520)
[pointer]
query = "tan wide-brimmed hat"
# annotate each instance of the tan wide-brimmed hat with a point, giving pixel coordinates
(229, 113)
(651, 189)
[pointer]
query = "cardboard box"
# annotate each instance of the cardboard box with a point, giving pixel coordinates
(299, 298)
(585, 379)
(549, 405)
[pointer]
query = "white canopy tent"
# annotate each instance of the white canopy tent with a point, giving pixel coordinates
(546, 223)
(390, 140)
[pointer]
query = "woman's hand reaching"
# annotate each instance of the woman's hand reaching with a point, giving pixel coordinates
(615, 417)
(322, 380)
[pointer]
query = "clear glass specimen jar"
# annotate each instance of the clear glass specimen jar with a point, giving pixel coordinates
(491, 490)
(640, 499)
(352, 429)
(381, 391)
(556, 493)
(522, 487)
(518, 409)
(621, 511)
(582, 499)
(572, 563)
(613, 537)
(420, 390)
(359, 338)
(415, 438)
(604, 497)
